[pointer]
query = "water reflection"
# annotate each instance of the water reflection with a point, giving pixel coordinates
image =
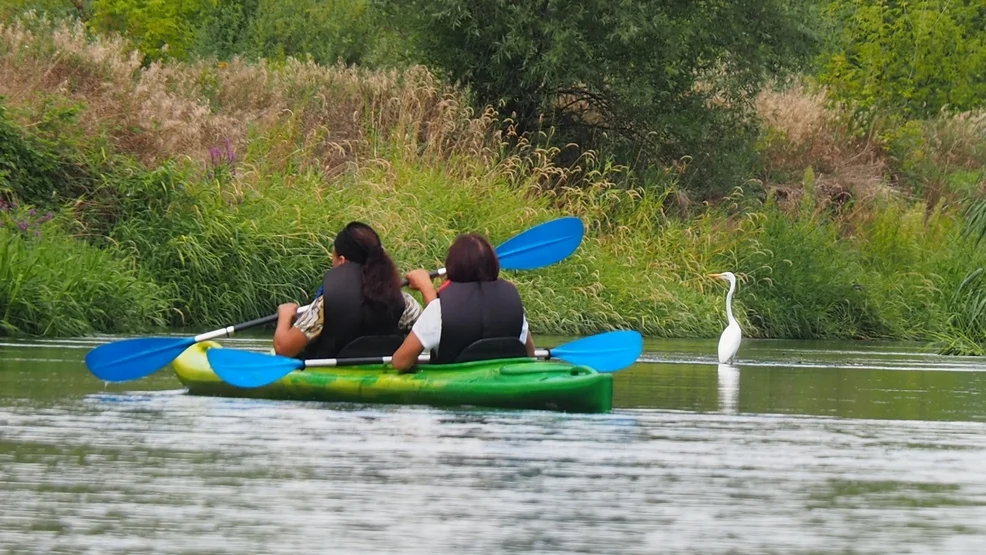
(849, 380)
(728, 387)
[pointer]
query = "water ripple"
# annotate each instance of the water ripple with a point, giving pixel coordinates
(165, 472)
(879, 452)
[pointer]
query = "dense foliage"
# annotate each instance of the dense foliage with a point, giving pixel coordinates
(328, 31)
(194, 192)
(159, 27)
(651, 80)
(915, 56)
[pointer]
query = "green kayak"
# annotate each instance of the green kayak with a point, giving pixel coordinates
(517, 383)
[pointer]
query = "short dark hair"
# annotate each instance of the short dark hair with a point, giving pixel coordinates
(472, 258)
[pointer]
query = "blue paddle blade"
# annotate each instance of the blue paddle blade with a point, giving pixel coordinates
(131, 359)
(248, 369)
(542, 245)
(605, 352)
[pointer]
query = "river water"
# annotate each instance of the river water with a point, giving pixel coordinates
(801, 447)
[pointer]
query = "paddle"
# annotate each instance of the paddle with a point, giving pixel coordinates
(606, 352)
(131, 359)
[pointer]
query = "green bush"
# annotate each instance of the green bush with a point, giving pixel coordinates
(915, 57)
(223, 260)
(159, 28)
(223, 30)
(36, 169)
(52, 284)
(52, 8)
(329, 31)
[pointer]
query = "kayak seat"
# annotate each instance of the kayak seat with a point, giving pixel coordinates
(371, 346)
(491, 348)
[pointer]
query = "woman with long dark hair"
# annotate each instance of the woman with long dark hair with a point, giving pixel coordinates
(474, 315)
(360, 296)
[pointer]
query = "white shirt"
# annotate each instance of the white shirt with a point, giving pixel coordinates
(428, 328)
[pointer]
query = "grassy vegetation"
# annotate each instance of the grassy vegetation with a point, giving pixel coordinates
(205, 193)
(52, 284)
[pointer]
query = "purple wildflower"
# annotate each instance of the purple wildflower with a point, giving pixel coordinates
(30, 212)
(37, 234)
(48, 217)
(222, 156)
(22, 226)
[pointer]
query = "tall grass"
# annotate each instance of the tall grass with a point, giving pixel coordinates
(966, 323)
(54, 285)
(216, 190)
(942, 158)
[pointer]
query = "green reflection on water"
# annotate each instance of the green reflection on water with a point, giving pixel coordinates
(847, 380)
(43, 374)
(840, 379)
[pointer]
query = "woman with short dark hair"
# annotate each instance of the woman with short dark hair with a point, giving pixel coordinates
(360, 296)
(474, 315)
(472, 258)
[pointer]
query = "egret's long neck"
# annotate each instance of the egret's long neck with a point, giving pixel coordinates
(729, 303)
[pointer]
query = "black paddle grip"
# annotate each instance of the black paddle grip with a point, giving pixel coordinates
(254, 323)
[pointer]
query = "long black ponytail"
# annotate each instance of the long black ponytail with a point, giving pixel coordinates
(359, 243)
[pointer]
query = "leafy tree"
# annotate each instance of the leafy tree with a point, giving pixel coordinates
(651, 79)
(55, 8)
(159, 28)
(914, 56)
(223, 31)
(328, 30)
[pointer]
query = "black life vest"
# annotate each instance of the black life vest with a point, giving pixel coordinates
(477, 314)
(346, 316)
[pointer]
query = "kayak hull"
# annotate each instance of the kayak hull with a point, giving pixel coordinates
(519, 383)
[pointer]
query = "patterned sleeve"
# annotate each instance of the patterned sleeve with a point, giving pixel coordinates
(412, 311)
(310, 321)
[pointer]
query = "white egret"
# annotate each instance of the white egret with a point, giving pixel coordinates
(729, 342)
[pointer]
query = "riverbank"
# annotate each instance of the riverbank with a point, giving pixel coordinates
(201, 194)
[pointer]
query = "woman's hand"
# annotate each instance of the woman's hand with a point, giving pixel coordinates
(420, 280)
(287, 311)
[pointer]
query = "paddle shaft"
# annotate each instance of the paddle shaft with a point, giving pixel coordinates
(228, 331)
(357, 361)
(434, 274)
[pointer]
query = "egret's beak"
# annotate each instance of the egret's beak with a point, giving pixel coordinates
(714, 275)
